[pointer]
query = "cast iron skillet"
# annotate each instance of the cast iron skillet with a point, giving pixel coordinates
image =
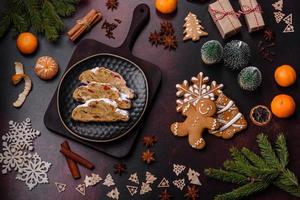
(131, 72)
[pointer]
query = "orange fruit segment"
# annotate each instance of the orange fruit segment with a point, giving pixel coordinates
(283, 106)
(166, 6)
(27, 43)
(285, 75)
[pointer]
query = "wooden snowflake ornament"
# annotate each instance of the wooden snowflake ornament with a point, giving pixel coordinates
(192, 28)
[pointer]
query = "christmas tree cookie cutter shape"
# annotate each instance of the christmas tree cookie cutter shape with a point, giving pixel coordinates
(113, 194)
(150, 178)
(178, 169)
(92, 180)
(61, 187)
(132, 189)
(108, 181)
(145, 188)
(164, 183)
(193, 30)
(134, 178)
(289, 29)
(278, 16)
(180, 183)
(278, 5)
(193, 177)
(81, 189)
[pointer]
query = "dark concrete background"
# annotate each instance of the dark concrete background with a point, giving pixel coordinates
(175, 66)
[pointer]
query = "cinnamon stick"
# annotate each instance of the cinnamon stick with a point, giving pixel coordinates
(77, 158)
(72, 164)
(84, 24)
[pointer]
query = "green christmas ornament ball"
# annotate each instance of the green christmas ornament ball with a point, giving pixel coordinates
(236, 54)
(250, 78)
(212, 52)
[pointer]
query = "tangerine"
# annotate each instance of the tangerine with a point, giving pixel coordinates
(285, 75)
(166, 6)
(283, 106)
(27, 43)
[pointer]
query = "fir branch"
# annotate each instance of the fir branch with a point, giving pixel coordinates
(255, 159)
(240, 167)
(267, 151)
(63, 8)
(288, 178)
(226, 176)
(42, 16)
(281, 150)
(238, 156)
(293, 190)
(4, 23)
(243, 191)
(257, 172)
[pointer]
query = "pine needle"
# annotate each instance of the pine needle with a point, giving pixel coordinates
(243, 191)
(226, 176)
(281, 150)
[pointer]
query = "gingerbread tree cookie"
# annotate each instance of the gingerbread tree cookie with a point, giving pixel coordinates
(192, 28)
(229, 116)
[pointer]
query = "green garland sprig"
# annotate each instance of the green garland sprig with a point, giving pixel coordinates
(43, 16)
(254, 173)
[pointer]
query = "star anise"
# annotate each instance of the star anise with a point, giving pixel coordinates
(112, 4)
(148, 157)
(155, 38)
(192, 193)
(166, 28)
(269, 35)
(120, 168)
(164, 195)
(149, 141)
(169, 42)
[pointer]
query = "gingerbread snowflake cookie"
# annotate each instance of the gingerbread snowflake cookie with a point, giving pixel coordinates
(196, 102)
(206, 108)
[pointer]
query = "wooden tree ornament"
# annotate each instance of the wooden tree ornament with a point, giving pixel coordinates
(192, 28)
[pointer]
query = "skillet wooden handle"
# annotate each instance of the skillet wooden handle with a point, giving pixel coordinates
(141, 16)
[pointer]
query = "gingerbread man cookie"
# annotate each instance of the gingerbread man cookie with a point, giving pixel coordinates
(198, 119)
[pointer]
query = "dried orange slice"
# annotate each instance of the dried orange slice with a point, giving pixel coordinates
(260, 115)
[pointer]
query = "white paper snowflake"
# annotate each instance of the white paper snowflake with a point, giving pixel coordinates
(12, 158)
(34, 171)
(192, 94)
(21, 135)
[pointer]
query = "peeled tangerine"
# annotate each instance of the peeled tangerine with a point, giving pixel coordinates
(166, 6)
(283, 106)
(285, 75)
(46, 68)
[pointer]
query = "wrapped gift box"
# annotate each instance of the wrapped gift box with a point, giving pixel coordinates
(253, 14)
(225, 18)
